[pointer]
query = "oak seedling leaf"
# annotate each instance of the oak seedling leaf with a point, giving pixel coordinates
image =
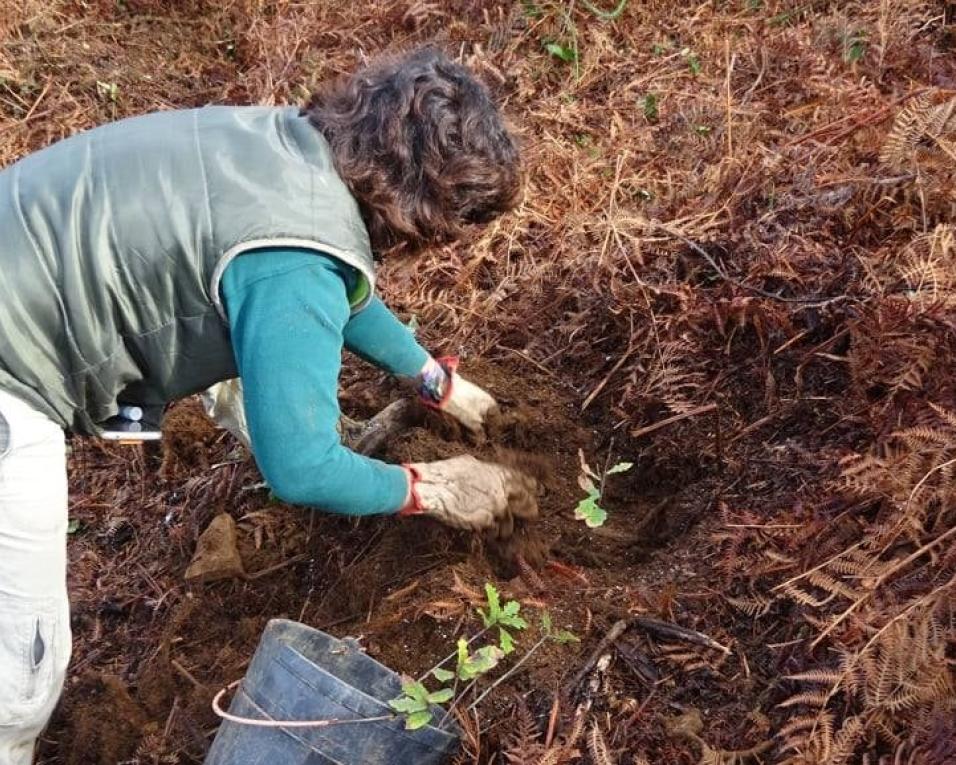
(589, 511)
(505, 641)
(442, 675)
(620, 467)
(418, 720)
(441, 696)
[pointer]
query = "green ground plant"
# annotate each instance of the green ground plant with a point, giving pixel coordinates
(589, 509)
(648, 105)
(416, 702)
(564, 45)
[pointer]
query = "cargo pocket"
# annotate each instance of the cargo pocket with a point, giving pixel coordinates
(28, 660)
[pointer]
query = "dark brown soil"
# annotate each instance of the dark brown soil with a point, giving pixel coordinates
(151, 651)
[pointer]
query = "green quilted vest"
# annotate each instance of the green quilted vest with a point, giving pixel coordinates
(113, 242)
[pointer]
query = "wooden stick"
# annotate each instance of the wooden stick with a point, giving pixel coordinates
(277, 567)
(600, 386)
(753, 426)
(730, 60)
(618, 629)
(673, 631)
(883, 112)
(671, 420)
(553, 720)
(167, 728)
(29, 114)
(187, 674)
(388, 423)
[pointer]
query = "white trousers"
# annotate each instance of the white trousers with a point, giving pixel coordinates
(35, 635)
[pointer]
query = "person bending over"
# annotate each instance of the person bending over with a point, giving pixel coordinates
(150, 259)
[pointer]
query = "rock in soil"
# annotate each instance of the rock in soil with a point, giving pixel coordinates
(217, 555)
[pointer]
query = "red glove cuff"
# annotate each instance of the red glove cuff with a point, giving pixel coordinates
(414, 504)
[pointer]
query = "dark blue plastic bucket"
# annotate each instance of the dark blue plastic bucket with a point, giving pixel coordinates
(299, 673)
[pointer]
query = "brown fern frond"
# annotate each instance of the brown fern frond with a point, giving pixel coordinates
(777, 557)
(940, 120)
(845, 742)
(598, 748)
(817, 676)
(926, 265)
(913, 371)
(709, 756)
(755, 607)
(806, 698)
(524, 740)
(947, 415)
(907, 669)
(556, 755)
(863, 474)
(576, 731)
(834, 586)
(907, 131)
(560, 752)
(805, 598)
(869, 566)
(921, 436)
(670, 380)
(807, 735)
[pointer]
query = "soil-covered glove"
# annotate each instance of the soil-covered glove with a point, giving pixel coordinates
(470, 494)
(441, 387)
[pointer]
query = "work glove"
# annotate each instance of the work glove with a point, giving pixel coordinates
(470, 494)
(440, 387)
(223, 403)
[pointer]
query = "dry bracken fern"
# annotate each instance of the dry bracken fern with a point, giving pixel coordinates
(598, 748)
(523, 743)
(920, 122)
(901, 676)
(754, 607)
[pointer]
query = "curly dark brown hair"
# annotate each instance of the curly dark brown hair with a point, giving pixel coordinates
(421, 146)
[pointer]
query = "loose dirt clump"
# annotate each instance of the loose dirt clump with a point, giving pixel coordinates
(107, 725)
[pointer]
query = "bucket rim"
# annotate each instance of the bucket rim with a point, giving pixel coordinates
(449, 734)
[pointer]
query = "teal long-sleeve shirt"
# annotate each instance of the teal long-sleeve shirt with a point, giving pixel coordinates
(289, 319)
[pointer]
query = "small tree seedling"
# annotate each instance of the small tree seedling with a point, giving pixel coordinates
(589, 509)
(562, 43)
(660, 48)
(548, 633)
(502, 616)
(482, 661)
(416, 700)
(560, 636)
